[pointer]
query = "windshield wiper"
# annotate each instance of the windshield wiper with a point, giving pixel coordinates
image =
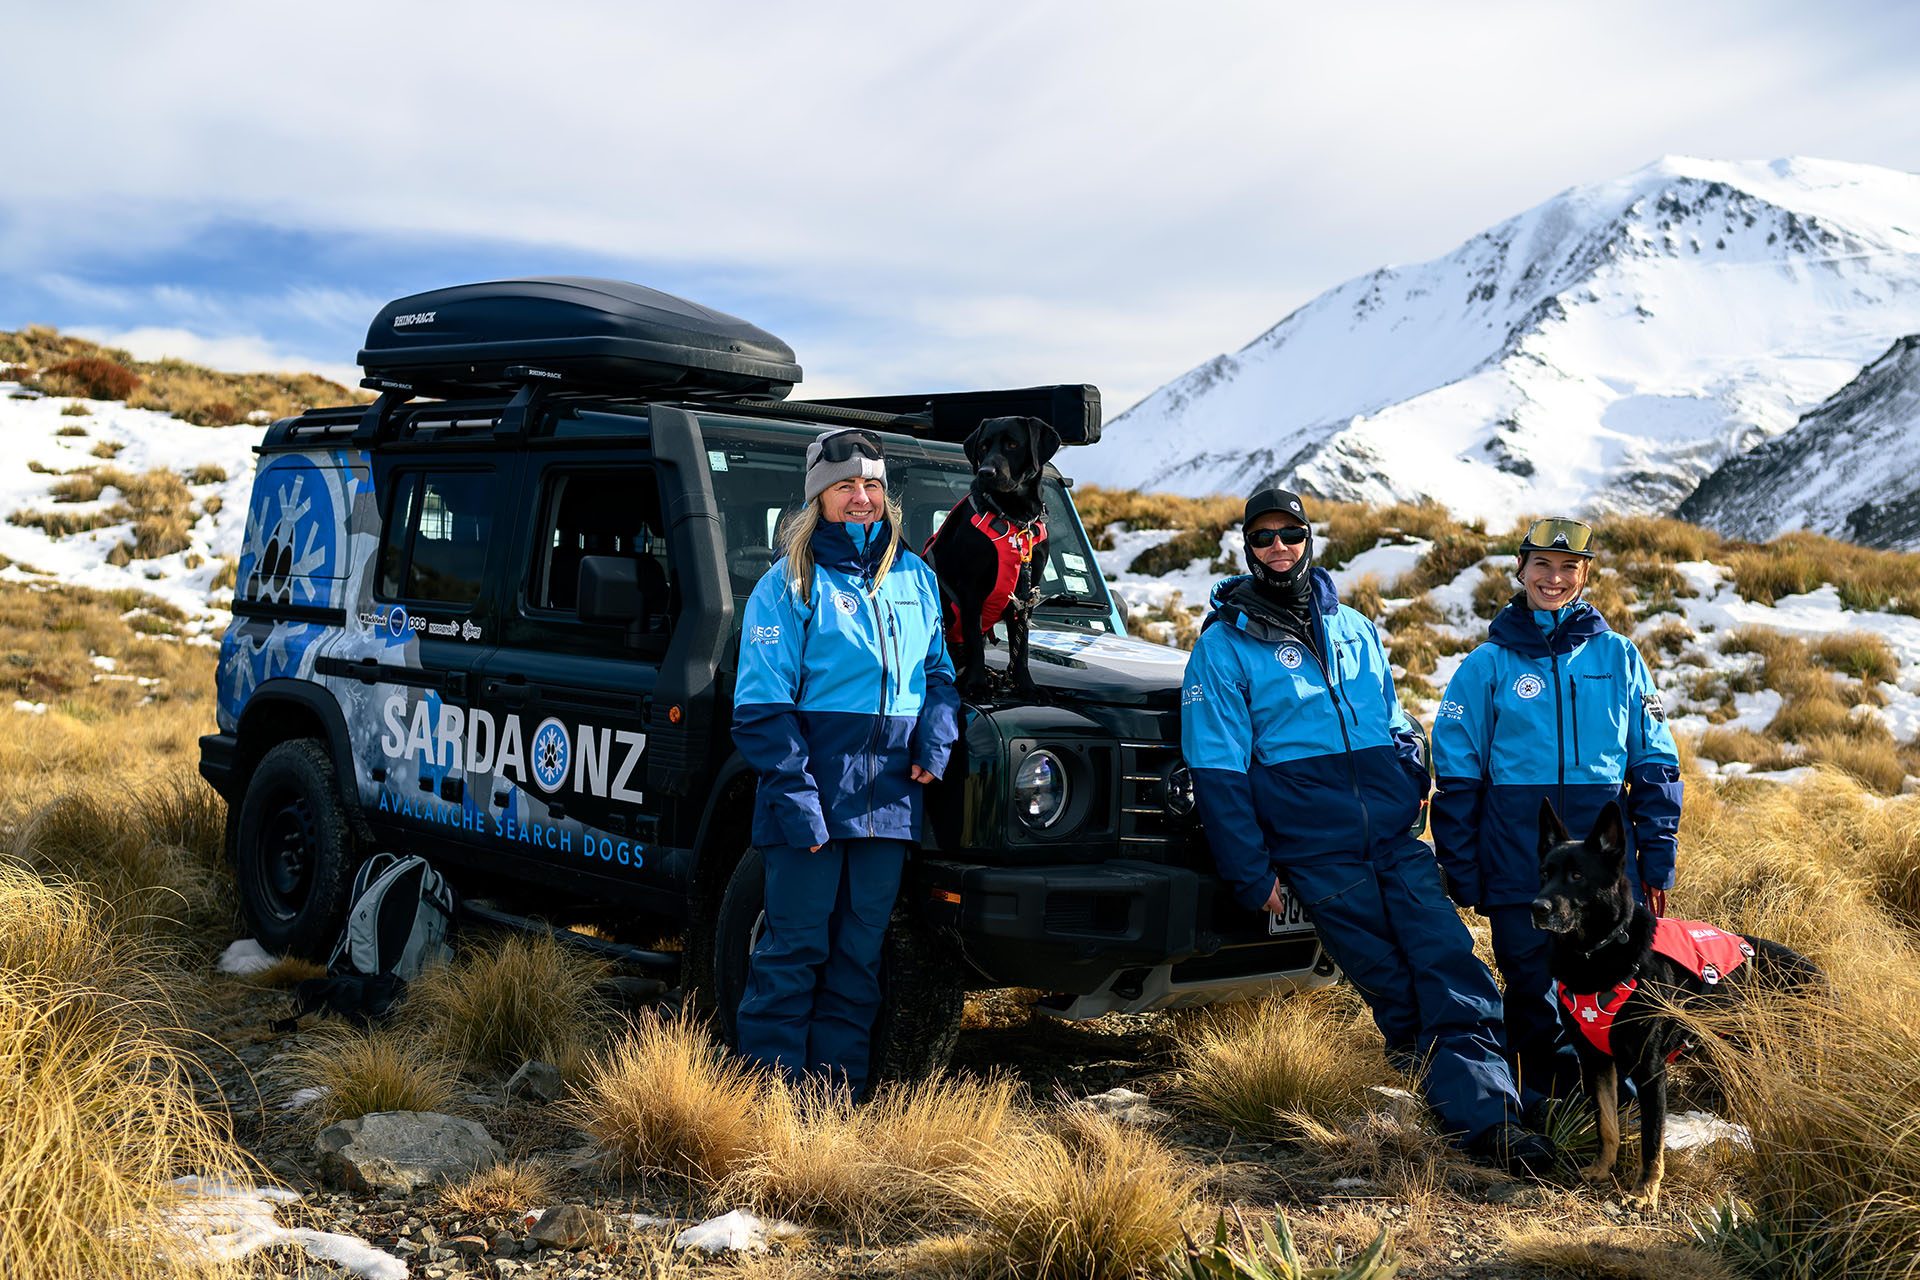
(1068, 600)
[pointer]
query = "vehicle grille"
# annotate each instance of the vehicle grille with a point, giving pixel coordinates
(1146, 828)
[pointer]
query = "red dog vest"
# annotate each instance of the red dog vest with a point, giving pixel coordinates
(1014, 547)
(1709, 954)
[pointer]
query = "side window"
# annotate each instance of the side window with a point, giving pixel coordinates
(434, 544)
(600, 511)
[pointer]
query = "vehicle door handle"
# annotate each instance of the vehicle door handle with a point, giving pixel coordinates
(513, 692)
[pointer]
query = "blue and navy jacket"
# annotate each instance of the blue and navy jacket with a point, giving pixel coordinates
(1298, 747)
(1556, 707)
(839, 696)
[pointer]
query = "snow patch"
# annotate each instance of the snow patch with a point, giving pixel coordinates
(245, 957)
(737, 1231)
(218, 1220)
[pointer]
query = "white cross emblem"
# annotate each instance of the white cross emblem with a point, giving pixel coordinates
(1590, 1013)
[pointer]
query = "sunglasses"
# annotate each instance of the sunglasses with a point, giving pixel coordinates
(1557, 533)
(842, 445)
(1291, 534)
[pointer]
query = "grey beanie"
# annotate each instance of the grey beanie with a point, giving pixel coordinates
(821, 472)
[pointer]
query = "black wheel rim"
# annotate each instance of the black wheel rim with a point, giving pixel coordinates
(283, 863)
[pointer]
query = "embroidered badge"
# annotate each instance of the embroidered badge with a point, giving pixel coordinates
(1528, 687)
(1655, 712)
(1289, 656)
(845, 603)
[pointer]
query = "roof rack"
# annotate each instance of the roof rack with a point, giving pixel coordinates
(1072, 410)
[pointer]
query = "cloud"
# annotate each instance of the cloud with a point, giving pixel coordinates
(1113, 186)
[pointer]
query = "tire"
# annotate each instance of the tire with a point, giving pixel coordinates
(920, 992)
(294, 851)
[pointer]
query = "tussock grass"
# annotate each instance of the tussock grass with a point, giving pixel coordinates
(1454, 551)
(507, 1000)
(665, 1099)
(1364, 596)
(53, 930)
(368, 1072)
(63, 365)
(1132, 509)
(1870, 759)
(1655, 538)
(1795, 563)
(1859, 654)
(1086, 1198)
(1725, 746)
(74, 410)
(513, 1186)
(888, 1164)
(1491, 593)
(1608, 1253)
(1348, 528)
(1178, 552)
(285, 972)
(1263, 1067)
(97, 1116)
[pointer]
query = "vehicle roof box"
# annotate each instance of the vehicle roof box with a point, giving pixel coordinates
(601, 335)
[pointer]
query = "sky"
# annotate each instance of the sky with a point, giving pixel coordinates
(914, 197)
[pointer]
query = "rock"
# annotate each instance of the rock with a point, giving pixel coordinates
(503, 1242)
(539, 1081)
(505, 1266)
(428, 1236)
(402, 1151)
(1402, 1106)
(569, 1226)
(1123, 1104)
(468, 1246)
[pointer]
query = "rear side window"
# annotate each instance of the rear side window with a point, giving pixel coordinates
(434, 545)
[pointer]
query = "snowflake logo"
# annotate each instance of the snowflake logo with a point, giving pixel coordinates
(286, 544)
(552, 753)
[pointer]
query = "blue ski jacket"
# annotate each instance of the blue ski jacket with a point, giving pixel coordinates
(1297, 745)
(838, 697)
(1562, 708)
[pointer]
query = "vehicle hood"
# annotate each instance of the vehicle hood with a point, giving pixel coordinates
(1099, 667)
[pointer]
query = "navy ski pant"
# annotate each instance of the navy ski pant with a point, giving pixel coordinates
(1387, 923)
(813, 986)
(1544, 1061)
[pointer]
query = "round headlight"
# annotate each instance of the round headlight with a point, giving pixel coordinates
(1040, 789)
(1179, 791)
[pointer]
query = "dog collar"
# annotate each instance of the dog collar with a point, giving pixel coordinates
(1619, 934)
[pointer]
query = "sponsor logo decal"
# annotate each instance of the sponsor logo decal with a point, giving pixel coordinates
(552, 753)
(845, 603)
(1289, 656)
(468, 631)
(1191, 694)
(1452, 710)
(1655, 712)
(397, 622)
(764, 635)
(1529, 687)
(416, 317)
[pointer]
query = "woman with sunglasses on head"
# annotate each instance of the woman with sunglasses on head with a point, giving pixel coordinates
(845, 706)
(1554, 705)
(1305, 769)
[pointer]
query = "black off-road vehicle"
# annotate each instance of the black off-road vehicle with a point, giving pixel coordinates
(493, 618)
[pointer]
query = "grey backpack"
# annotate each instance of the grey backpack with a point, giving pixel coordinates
(398, 923)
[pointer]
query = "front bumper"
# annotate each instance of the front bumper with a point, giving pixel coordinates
(1114, 935)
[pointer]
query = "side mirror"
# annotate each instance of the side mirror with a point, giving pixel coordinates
(1120, 603)
(609, 590)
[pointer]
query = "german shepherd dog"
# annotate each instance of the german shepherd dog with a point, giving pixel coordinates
(990, 554)
(1619, 973)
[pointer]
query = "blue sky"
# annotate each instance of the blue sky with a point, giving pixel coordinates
(913, 197)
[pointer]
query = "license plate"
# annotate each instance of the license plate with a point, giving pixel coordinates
(1292, 916)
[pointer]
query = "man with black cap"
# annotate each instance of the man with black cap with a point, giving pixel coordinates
(1307, 771)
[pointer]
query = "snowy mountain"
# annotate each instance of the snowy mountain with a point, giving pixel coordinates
(1606, 349)
(1849, 469)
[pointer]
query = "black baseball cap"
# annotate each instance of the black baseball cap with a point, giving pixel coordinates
(1285, 501)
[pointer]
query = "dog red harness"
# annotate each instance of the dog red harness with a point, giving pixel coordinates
(1709, 954)
(1014, 546)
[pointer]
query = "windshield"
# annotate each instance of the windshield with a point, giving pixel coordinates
(756, 478)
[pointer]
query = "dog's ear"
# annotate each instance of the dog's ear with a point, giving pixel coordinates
(1609, 836)
(976, 440)
(1043, 439)
(1552, 830)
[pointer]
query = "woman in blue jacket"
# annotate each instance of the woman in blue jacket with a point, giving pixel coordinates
(1554, 705)
(845, 705)
(1306, 769)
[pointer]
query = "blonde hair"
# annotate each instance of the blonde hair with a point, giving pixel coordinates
(796, 543)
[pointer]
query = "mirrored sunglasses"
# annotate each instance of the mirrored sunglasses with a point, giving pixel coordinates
(1291, 534)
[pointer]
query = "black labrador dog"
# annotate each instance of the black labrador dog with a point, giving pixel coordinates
(1619, 973)
(990, 553)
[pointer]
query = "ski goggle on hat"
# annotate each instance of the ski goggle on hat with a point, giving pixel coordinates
(1559, 533)
(842, 445)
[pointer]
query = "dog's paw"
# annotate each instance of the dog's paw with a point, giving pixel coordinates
(1597, 1172)
(1644, 1198)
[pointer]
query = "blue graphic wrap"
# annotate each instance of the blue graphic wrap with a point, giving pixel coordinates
(836, 698)
(1295, 757)
(1562, 708)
